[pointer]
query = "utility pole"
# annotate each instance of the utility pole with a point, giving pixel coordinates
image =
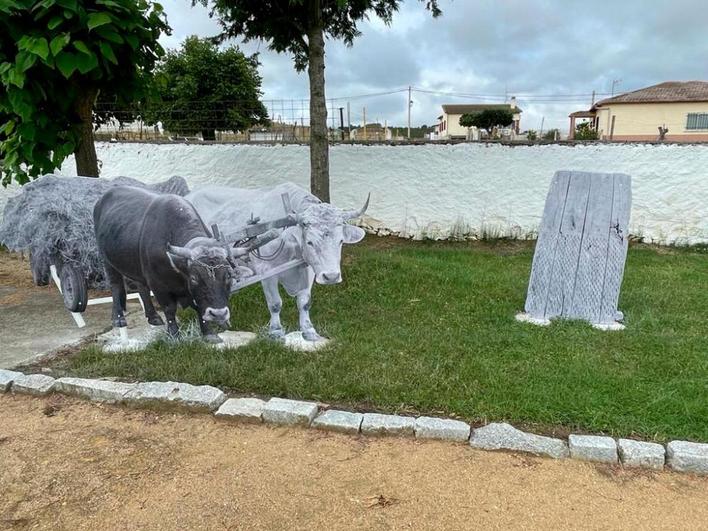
(410, 102)
(615, 82)
(341, 121)
(593, 99)
(543, 119)
(364, 123)
(349, 123)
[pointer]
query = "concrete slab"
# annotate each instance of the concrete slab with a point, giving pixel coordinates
(33, 384)
(593, 448)
(641, 454)
(686, 456)
(97, 390)
(6, 379)
(243, 409)
(31, 304)
(444, 429)
(378, 424)
(194, 397)
(341, 421)
(503, 436)
(293, 412)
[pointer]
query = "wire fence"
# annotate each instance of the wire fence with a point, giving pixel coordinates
(239, 121)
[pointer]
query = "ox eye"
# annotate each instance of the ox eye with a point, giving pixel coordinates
(193, 278)
(310, 244)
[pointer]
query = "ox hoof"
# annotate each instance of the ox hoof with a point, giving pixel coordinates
(120, 322)
(311, 335)
(276, 334)
(213, 339)
(155, 320)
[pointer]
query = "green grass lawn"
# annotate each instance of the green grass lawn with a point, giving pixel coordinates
(429, 327)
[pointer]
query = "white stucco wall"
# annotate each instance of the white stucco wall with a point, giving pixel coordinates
(432, 189)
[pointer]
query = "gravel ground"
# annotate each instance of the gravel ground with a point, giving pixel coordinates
(68, 464)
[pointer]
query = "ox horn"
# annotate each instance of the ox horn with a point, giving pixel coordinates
(179, 251)
(353, 214)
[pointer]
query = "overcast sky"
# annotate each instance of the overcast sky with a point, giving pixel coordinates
(551, 54)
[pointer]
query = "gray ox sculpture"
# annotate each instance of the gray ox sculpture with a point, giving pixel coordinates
(160, 243)
(317, 239)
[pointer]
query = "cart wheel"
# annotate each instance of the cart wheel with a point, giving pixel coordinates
(74, 288)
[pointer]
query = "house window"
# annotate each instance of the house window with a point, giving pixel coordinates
(697, 120)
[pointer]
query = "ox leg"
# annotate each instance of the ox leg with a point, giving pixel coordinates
(152, 316)
(304, 301)
(170, 309)
(275, 304)
(119, 297)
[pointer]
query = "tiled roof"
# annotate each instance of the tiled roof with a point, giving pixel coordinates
(667, 92)
(463, 108)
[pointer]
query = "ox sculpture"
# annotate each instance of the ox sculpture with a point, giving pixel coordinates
(160, 243)
(317, 238)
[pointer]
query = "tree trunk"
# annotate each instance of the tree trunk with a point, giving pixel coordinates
(319, 142)
(85, 152)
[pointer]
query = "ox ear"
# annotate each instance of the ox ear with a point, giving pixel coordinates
(353, 234)
(179, 258)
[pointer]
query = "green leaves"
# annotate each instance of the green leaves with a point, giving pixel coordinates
(81, 46)
(86, 62)
(35, 45)
(51, 51)
(24, 60)
(58, 43)
(54, 22)
(66, 63)
(98, 19)
(107, 52)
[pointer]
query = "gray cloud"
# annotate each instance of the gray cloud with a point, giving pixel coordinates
(522, 47)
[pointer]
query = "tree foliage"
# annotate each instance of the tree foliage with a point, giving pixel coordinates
(299, 27)
(285, 24)
(201, 88)
(488, 119)
(584, 131)
(56, 56)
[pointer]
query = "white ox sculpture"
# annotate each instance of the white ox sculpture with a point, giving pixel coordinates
(317, 239)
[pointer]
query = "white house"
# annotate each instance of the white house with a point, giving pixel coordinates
(449, 128)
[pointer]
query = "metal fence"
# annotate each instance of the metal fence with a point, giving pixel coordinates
(288, 121)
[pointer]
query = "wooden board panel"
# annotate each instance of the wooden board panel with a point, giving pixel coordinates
(548, 234)
(579, 259)
(587, 293)
(618, 242)
(562, 280)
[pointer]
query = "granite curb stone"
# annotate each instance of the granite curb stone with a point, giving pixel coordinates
(291, 412)
(444, 429)
(503, 436)
(7, 377)
(98, 390)
(595, 448)
(378, 424)
(198, 398)
(687, 456)
(33, 384)
(341, 421)
(243, 409)
(641, 454)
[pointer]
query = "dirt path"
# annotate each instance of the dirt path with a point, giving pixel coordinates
(68, 464)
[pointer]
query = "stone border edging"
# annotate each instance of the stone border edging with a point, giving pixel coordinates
(682, 456)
